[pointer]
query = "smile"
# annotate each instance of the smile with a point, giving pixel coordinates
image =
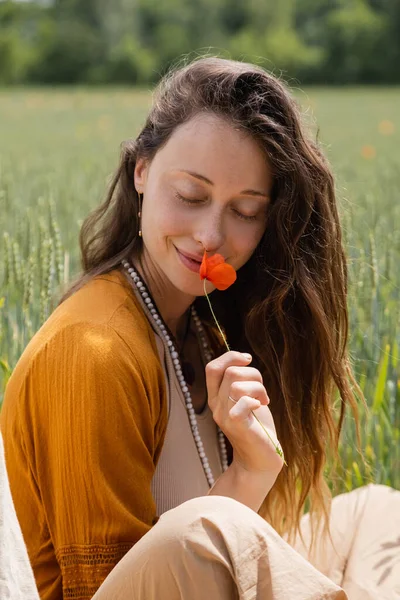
(192, 265)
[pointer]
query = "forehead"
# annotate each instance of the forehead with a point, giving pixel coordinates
(217, 149)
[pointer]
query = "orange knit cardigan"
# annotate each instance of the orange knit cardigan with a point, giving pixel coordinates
(83, 420)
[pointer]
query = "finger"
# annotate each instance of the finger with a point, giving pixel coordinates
(240, 373)
(215, 369)
(255, 389)
(242, 409)
(243, 377)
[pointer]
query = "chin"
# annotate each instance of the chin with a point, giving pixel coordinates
(189, 284)
(190, 289)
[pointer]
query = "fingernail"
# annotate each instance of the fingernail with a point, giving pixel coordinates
(247, 355)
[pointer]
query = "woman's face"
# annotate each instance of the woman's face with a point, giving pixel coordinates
(207, 188)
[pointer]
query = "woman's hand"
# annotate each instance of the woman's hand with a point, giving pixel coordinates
(253, 450)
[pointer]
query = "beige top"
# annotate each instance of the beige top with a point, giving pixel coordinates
(179, 474)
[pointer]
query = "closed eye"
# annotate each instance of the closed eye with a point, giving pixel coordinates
(248, 218)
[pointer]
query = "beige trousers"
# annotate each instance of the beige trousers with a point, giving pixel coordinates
(216, 548)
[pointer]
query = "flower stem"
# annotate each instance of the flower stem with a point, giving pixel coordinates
(278, 449)
(215, 318)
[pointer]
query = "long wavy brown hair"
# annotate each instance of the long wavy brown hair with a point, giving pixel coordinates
(288, 306)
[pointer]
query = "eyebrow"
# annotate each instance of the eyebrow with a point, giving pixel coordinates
(244, 192)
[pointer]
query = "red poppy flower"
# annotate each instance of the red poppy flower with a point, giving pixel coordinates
(216, 270)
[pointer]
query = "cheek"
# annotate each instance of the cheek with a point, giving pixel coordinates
(245, 244)
(164, 219)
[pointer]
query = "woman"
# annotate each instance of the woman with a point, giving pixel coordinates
(125, 407)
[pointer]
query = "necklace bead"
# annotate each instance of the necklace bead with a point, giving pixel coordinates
(148, 304)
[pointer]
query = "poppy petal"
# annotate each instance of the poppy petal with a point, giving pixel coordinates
(214, 260)
(222, 276)
(208, 263)
(203, 267)
(216, 270)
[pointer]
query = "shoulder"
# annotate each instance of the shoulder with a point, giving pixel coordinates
(105, 300)
(100, 332)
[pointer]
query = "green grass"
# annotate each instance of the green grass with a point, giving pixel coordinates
(57, 151)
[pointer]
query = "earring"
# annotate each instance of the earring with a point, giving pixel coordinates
(140, 214)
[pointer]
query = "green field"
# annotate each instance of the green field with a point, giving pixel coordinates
(57, 151)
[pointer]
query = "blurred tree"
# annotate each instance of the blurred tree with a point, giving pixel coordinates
(18, 24)
(68, 50)
(128, 62)
(353, 35)
(271, 39)
(87, 12)
(390, 43)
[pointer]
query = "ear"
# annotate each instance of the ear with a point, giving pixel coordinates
(140, 175)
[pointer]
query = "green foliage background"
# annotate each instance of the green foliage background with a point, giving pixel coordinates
(134, 41)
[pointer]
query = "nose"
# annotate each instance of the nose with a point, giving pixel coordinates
(210, 233)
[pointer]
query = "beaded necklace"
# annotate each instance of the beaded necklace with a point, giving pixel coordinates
(163, 330)
(187, 367)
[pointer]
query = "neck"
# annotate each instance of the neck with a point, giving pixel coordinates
(172, 306)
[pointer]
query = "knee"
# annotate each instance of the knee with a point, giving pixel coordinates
(198, 536)
(371, 497)
(373, 491)
(379, 488)
(366, 492)
(220, 508)
(219, 503)
(211, 513)
(380, 494)
(212, 526)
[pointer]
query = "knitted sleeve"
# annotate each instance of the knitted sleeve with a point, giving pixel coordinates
(81, 447)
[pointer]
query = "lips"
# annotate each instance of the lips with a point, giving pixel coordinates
(193, 265)
(191, 256)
